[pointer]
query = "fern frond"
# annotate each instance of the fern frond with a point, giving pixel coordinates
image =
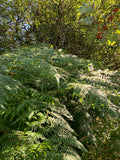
(51, 100)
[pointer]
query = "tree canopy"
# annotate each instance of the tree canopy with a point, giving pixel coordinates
(90, 29)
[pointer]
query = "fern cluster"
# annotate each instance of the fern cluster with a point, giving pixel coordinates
(49, 101)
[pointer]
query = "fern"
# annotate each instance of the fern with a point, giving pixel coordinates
(44, 94)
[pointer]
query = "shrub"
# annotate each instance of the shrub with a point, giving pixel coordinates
(50, 101)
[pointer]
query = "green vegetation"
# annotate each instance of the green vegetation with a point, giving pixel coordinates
(57, 106)
(89, 29)
(59, 80)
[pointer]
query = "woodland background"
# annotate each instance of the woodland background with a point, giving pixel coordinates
(89, 29)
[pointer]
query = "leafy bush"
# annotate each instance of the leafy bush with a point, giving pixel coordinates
(50, 103)
(101, 22)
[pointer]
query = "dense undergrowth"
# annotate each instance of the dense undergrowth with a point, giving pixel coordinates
(55, 105)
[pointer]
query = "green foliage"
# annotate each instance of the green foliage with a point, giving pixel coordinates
(100, 20)
(89, 29)
(25, 22)
(49, 102)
